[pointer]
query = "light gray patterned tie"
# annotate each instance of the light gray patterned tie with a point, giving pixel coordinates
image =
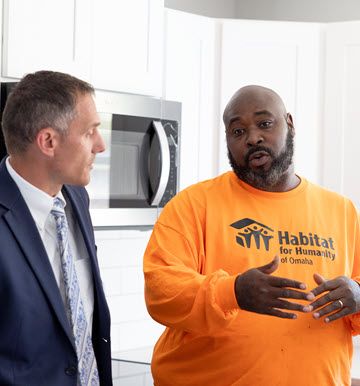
(87, 367)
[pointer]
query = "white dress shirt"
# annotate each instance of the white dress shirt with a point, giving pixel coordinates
(40, 205)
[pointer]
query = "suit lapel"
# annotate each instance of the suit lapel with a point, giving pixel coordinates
(23, 227)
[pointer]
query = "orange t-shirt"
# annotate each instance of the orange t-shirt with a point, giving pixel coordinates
(205, 237)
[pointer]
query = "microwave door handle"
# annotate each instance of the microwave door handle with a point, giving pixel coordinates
(165, 162)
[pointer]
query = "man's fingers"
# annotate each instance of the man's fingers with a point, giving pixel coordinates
(330, 297)
(288, 293)
(327, 285)
(330, 308)
(319, 279)
(336, 315)
(285, 305)
(270, 267)
(281, 314)
(282, 282)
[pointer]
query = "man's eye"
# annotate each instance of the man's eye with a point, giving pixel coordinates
(265, 124)
(238, 131)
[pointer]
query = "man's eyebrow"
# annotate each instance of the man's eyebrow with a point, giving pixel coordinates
(256, 113)
(263, 112)
(234, 119)
(92, 126)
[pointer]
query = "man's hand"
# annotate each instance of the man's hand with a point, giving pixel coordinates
(257, 291)
(341, 298)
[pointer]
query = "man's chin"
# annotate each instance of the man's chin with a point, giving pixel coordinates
(260, 171)
(82, 181)
(85, 181)
(260, 179)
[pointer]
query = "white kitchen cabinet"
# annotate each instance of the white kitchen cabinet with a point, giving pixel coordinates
(116, 45)
(42, 34)
(341, 135)
(190, 72)
(127, 46)
(284, 56)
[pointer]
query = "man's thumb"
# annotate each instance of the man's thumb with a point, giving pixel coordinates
(270, 267)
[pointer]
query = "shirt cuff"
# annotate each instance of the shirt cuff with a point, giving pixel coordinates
(225, 293)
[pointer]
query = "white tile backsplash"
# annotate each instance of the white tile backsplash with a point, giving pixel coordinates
(127, 308)
(138, 334)
(115, 338)
(131, 281)
(131, 374)
(133, 380)
(120, 255)
(111, 278)
(121, 248)
(122, 280)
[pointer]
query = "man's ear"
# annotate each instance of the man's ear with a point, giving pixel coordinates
(290, 123)
(47, 140)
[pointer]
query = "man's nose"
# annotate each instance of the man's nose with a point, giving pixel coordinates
(254, 137)
(99, 143)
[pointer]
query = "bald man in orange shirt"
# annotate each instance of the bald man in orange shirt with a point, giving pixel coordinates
(255, 273)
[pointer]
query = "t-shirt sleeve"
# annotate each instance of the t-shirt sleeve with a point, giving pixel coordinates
(354, 319)
(177, 294)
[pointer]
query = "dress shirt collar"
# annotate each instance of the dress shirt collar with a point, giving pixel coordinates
(38, 202)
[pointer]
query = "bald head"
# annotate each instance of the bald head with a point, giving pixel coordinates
(253, 98)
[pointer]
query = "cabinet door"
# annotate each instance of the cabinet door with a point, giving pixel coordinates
(42, 34)
(342, 86)
(284, 56)
(190, 79)
(127, 46)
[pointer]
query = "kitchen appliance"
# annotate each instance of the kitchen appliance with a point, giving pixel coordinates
(5, 89)
(138, 172)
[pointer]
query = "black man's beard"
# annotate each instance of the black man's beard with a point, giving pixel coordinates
(261, 178)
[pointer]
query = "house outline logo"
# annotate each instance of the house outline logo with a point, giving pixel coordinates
(251, 232)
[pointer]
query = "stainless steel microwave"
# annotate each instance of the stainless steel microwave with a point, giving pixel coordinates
(138, 173)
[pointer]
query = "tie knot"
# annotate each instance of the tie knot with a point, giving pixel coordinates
(59, 203)
(58, 206)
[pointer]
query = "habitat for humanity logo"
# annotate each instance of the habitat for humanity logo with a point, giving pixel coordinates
(251, 231)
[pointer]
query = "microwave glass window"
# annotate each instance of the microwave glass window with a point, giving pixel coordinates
(126, 164)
